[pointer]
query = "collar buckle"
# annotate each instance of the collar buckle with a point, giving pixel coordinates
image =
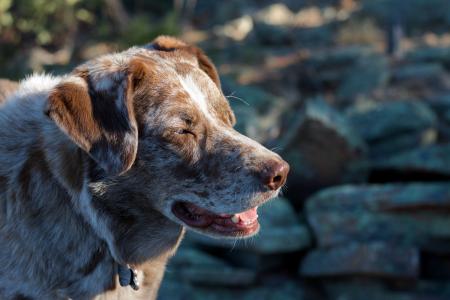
(128, 277)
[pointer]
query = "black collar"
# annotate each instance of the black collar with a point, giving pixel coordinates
(128, 276)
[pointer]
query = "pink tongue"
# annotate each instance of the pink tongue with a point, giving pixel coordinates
(248, 215)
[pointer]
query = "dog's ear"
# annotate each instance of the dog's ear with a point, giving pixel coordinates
(97, 114)
(167, 43)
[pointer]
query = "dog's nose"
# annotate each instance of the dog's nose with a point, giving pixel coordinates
(274, 174)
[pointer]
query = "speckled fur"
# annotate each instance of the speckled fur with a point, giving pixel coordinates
(92, 162)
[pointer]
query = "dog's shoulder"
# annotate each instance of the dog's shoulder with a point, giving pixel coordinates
(21, 116)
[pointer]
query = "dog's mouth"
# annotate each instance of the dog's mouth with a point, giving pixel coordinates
(241, 224)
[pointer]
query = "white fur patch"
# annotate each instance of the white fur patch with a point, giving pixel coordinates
(37, 83)
(196, 95)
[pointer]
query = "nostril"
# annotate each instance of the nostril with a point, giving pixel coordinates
(274, 174)
(277, 178)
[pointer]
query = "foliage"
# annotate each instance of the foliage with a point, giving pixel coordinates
(53, 25)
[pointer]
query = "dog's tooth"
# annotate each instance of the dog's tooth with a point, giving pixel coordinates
(235, 219)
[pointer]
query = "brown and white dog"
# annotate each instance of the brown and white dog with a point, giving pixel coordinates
(106, 166)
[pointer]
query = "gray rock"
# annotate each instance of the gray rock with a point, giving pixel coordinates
(402, 214)
(441, 107)
(370, 72)
(326, 70)
(195, 266)
(387, 119)
(411, 13)
(174, 289)
(439, 55)
(281, 232)
(269, 34)
(314, 36)
(440, 103)
(286, 290)
(420, 72)
(394, 126)
(322, 132)
(433, 160)
(419, 80)
(371, 289)
(403, 141)
(374, 259)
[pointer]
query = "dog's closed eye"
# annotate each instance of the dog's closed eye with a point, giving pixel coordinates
(185, 131)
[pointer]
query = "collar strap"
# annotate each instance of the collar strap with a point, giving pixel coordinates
(128, 276)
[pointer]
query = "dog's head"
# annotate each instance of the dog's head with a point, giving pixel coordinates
(156, 118)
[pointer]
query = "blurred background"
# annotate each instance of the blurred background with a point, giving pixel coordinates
(355, 94)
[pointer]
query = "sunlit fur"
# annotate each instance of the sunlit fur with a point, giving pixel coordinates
(92, 162)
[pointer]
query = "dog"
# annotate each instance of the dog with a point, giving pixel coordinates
(101, 171)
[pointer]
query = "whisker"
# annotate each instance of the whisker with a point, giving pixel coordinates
(276, 148)
(232, 96)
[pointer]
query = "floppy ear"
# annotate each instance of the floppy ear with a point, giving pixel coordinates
(167, 43)
(98, 116)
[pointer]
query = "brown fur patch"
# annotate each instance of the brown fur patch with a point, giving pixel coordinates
(102, 122)
(166, 43)
(69, 106)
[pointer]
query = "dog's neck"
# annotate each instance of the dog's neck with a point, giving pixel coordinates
(140, 232)
(135, 233)
(143, 237)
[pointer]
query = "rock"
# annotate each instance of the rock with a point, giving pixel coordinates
(389, 118)
(371, 289)
(433, 160)
(211, 13)
(325, 71)
(440, 55)
(441, 107)
(322, 132)
(411, 13)
(401, 214)
(286, 290)
(268, 34)
(373, 259)
(420, 80)
(435, 266)
(314, 36)
(440, 102)
(393, 126)
(281, 232)
(418, 72)
(194, 266)
(275, 14)
(398, 143)
(175, 289)
(236, 29)
(369, 73)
